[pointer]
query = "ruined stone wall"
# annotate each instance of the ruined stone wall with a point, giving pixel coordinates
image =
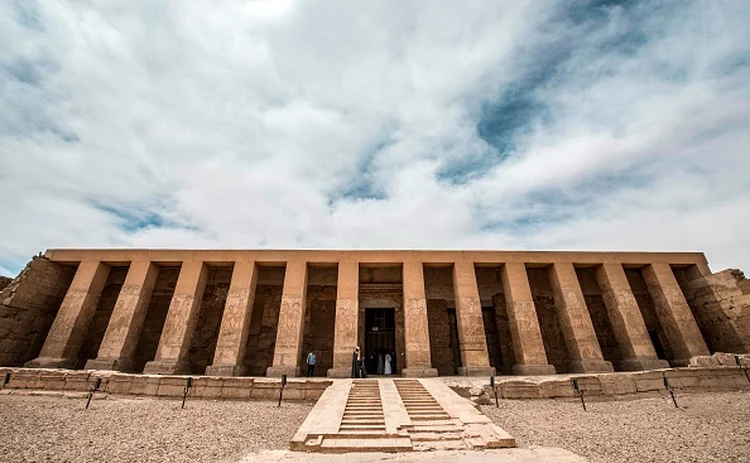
(605, 334)
(156, 315)
(544, 300)
(28, 306)
(721, 308)
(203, 344)
(648, 310)
(103, 313)
(261, 340)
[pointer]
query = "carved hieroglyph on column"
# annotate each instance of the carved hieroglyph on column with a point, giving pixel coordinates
(575, 321)
(182, 318)
(627, 321)
(528, 346)
(235, 323)
(674, 314)
(471, 338)
(124, 328)
(65, 338)
(347, 319)
(287, 353)
(416, 330)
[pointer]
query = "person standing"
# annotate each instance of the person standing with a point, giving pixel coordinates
(311, 360)
(388, 370)
(380, 363)
(355, 363)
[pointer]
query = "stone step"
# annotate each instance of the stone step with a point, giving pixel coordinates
(364, 444)
(435, 426)
(452, 444)
(429, 417)
(433, 436)
(363, 427)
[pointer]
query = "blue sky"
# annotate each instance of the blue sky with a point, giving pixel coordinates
(538, 124)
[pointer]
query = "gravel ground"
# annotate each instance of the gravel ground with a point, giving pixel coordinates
(708, 427)
(37, 429)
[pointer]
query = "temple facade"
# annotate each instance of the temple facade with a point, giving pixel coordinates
(260, 312)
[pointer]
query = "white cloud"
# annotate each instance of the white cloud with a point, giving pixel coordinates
(243, 124)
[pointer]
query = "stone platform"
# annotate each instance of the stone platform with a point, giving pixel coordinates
(386, 415)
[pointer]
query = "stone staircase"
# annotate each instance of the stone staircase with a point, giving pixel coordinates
(385, 415)
(432, 428)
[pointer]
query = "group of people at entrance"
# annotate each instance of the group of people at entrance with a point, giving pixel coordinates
(380, 363)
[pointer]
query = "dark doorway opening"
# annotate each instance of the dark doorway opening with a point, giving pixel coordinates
(380, 339)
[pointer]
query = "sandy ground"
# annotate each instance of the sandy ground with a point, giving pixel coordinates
(708, 427)
(37, 429)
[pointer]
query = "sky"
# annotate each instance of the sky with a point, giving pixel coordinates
(480, 124)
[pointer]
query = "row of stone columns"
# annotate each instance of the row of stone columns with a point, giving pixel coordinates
(118, 346)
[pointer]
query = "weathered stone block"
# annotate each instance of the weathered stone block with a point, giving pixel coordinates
(26, 379)
(145, 385)
(266, 389)
(52, 381)
(518, 389)
(648, 380)
(119, 384)
(617, 384)
(704, 361)
(77, 381)
(207, 387)
(557, 388)
(237, 388)
(172, 386)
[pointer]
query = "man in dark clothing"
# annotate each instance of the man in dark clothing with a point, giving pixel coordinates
(355, 363)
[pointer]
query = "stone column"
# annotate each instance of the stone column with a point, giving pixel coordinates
(287, 353)
(124, 328)
(68, 331)
(182, 318)
(674, 314)
(235, 322)
(471, 339)
(347, 320)
(584, 351)
(416, 329)
(528, 346)
(625, 316)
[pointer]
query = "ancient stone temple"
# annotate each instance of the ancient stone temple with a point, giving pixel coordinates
(245, 312)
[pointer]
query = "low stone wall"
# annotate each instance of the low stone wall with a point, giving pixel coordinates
(719, 372)
(204, 387)
(620, 384)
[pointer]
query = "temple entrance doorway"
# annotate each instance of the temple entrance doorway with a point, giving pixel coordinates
(380, 340)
